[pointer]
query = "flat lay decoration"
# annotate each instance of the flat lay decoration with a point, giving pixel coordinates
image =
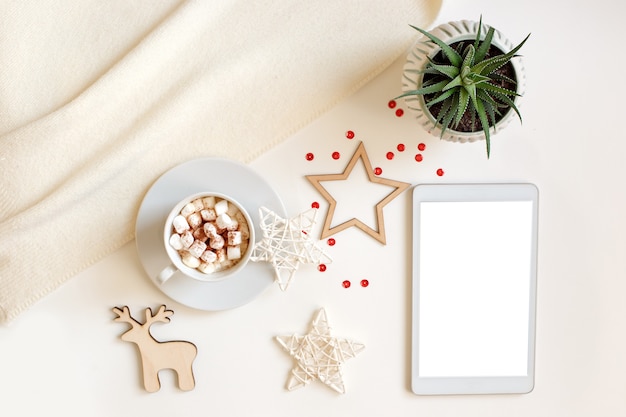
(156, 356)
(287, 243)
(152, 86)
(463, 80)
(377, 231)
(318, 355)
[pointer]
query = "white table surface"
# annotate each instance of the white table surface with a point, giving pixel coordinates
(64, 355)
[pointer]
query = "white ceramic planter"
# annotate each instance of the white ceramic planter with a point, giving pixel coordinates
(417, 58)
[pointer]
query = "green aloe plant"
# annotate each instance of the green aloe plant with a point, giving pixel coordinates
(467, 81)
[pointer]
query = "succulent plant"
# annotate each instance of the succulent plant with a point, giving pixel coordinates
(464, 79)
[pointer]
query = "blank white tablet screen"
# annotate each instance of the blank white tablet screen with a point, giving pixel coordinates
(474, 268)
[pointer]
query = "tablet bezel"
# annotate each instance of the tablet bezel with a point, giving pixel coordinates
(422, 385)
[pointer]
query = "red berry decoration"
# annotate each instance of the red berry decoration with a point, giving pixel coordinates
(331, 242)
(346, 284)
(390, 155)
(310, 156)
(315, 205)
(321, 267)
(440, 172)
(364, 283)
(336, 155)
(401, 147)
(378, 170)
(350, 134)
(419, 157)
(399, 112)
(421, 146)
(392, 104)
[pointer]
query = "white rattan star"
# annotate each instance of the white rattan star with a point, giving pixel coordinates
(319, 355)
(287, 243)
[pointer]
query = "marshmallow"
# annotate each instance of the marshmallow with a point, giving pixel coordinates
(187, 239)
(234, 225)
(234, 238)
(176, 242)
(221, 255)
(191, 261)
(233, 252)
(216, 242)
(208, 256)
(180, 224)
(199, 234)
(188, 209)
(197, 248)
(198, 204)
(208, 215)
(194, 220)
(210, 230)
(221, 207)
(223, 221)
(207, 267)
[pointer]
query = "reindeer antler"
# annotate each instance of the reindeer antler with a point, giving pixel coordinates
(124, 316)
(161, 315)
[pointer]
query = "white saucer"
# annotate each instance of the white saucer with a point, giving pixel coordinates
(208, 174)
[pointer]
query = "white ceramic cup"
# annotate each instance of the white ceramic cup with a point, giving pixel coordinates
(176, 259)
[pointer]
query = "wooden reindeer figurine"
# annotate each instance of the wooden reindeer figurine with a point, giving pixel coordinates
(176, 355)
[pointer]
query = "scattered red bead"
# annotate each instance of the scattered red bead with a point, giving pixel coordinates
(336, 155)
(331, 242)
(315, 205)
(350, 134)
(346, 284)
(392, 104)
(399, 112)
(321, 267)
(378, 170)
(401, 147)
(309, 156)
(440, 172)
(390, 155)
(364, 283)
(419, 157)
(421, 146)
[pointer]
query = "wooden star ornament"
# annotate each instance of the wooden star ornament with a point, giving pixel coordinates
(318, 355)
(379, 232)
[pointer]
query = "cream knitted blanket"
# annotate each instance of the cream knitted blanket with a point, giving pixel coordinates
(99, 98)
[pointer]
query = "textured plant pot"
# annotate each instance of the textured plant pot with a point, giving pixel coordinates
(417, 58)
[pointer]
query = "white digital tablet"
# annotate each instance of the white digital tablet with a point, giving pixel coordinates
(474, 288)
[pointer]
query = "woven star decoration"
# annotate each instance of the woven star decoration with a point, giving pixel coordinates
(318, 355)
(287, 243)
(378, 232)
